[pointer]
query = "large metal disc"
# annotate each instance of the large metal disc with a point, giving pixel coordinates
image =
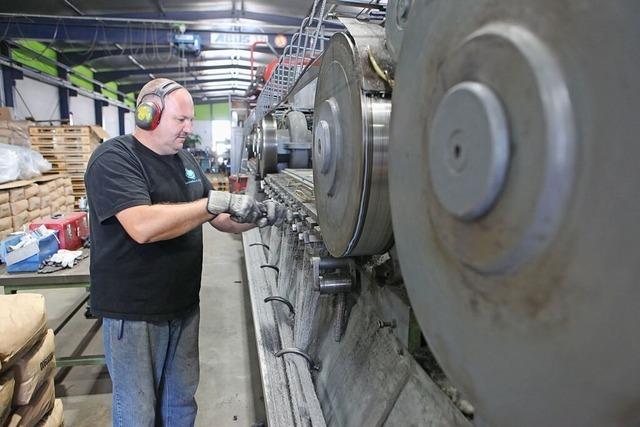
(350, 140)
(268, 146)
(514, 185)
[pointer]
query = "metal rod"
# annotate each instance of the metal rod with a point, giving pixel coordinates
(312, 364)
(60, 82)
(167, 22)
(68, 69)
(74, 7)
(71, 313)
(282, 300)
(332, 286)
(328, 263)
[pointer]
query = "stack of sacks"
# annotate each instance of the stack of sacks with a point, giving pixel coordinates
(32, 195)
(59, 196)
(7, 385)
(68, 194)
(28, 362)
(15, 132)
(19, 206)
(44, 189)
(6, 222)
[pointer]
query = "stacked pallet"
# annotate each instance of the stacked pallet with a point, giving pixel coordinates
(68, 149)
(219, 183)
(27, 364)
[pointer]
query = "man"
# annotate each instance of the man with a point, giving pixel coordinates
(148, 201)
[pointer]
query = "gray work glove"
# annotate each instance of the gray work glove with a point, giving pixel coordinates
(242, 208)
(274, 214)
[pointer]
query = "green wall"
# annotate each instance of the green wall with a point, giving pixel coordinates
(218, 111)
(30, 59)
(77, 81)
(110, 90)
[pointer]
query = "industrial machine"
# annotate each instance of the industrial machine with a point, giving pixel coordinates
(461, 252)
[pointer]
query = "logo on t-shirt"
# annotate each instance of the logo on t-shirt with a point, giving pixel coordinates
(191, 176)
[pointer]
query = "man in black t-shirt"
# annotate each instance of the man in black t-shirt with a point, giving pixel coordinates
(148, 201)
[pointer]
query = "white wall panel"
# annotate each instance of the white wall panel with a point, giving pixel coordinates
(83, 110)
(129, 122)
(203, 128)
(36, 99)
(110, 120)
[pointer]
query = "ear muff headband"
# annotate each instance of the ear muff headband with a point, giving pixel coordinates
(148, 113)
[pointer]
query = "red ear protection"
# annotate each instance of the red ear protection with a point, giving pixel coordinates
(148, 113)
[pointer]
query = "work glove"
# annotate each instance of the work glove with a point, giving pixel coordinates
(274, 214)
(242, 208)
(65, 258)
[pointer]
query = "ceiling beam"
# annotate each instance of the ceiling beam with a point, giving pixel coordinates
(76, 58)
(90, 32)
(135, 87)
(108, 76)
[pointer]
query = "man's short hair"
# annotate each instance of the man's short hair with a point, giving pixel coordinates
(151, 87)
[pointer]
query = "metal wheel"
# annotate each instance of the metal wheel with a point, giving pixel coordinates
(268, 146)
(296, 123)
(350, 126)
(514, 186)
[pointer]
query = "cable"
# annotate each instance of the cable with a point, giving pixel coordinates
(24, 102)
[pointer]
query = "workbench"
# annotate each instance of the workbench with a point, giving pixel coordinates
(76, 277)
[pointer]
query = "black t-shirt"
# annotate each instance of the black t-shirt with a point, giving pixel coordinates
(153, 281)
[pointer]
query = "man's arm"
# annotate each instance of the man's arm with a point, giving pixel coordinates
(153, 223)
(224, 223)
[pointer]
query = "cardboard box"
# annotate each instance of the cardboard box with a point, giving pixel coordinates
(6, 113)
(5, 210)
(19, 207)
(72, 229)
(4, 197)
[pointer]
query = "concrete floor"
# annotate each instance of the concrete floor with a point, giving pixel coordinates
(230, 391)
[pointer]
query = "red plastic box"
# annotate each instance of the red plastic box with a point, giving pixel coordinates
(238, 183)
(73, 228)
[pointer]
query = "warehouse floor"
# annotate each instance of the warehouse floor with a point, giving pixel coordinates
(230, 391)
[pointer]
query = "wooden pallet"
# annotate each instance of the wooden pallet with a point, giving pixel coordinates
(55, 148)
(61, 140)
(59, 130)
(78, 173)
(63, 157)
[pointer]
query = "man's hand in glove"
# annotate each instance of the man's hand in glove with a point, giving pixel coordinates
(242, 208)
(275, 214)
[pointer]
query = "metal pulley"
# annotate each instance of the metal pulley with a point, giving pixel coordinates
(299, 144)
(268, 146)
(513, 181)
(350, 125)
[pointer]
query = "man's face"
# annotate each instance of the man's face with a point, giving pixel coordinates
(175, 124)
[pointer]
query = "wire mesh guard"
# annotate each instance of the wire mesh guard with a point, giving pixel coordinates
(306, 45)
